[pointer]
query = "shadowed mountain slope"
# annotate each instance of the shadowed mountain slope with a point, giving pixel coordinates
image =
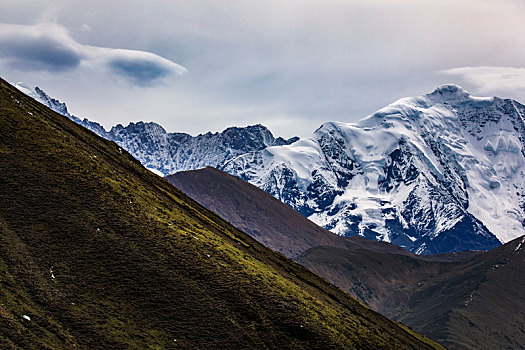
(98, 252)
(265, 218)
(467, 300)
(475, 303)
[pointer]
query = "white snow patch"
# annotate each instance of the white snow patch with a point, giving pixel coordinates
(421, 249)
(519, 244)
(157, 172)
(471, 297)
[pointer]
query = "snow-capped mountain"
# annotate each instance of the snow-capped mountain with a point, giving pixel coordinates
(60, 107)
(166, 153)
(436, 173)
(172, 152)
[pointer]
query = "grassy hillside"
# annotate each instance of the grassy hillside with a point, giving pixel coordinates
(479, 302)
(466, 300)
(475, 303)
(97, 252)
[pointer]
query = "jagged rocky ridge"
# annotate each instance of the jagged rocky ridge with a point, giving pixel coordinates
(167, 153)
(434, 174)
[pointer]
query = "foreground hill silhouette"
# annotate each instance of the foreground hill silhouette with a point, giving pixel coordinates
(98, 252)
(467, 300)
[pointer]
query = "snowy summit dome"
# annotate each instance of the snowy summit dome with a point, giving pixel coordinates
(449, 93)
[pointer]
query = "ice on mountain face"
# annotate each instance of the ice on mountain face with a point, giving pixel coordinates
(39, 95)
(422, 172)
(519, 244)
(155, 171)
(26, 89)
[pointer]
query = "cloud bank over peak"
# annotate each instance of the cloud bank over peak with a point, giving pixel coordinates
(49, 47)
(490, 79)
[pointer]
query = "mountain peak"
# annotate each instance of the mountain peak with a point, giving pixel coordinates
(142, 126)
(450, 93)
(433, 173)
(21, 85)
(40, 95)
(450, 89)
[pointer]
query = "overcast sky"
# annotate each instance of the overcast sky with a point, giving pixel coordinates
(200, 65)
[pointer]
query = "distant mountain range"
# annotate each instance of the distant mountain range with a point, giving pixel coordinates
(436, 173)
(470, 300)
(167, 153)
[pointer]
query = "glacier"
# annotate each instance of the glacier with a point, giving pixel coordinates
(436, 173)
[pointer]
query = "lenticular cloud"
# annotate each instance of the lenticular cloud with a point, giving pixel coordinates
(488, 78)
(49, 47)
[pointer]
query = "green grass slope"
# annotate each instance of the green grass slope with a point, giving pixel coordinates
(100, 253)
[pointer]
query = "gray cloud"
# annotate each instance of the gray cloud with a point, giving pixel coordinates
(141, 71)
(139, 67)
(490, 79)
(49, 47)
(289, 64)
(44, 54)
